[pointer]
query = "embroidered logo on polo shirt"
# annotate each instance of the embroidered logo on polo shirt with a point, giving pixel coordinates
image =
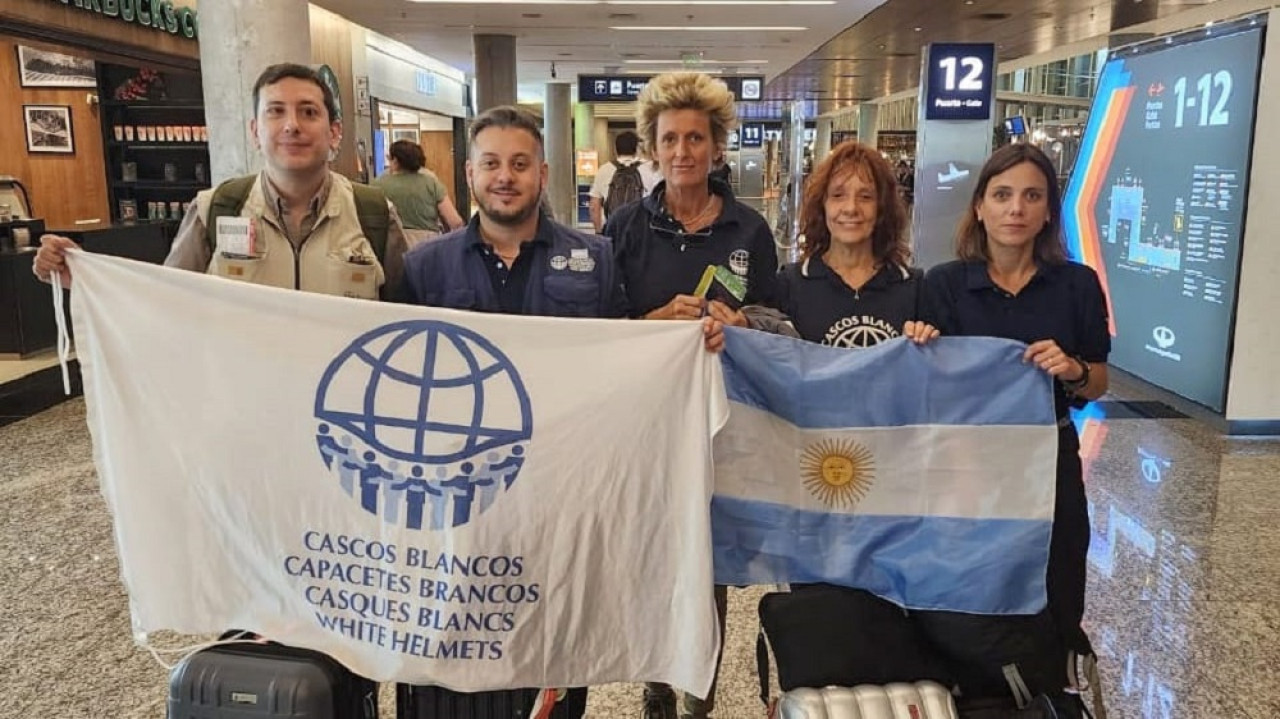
(859, 331)
(559, 262)
(739, 261)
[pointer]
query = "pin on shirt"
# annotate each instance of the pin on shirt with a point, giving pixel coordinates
(580, 260)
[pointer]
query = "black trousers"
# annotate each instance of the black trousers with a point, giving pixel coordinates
(1069, 548)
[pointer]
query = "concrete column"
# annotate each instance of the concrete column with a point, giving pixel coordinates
(584, 119)
(238, 40)
(495, 70)
(600, 139)
(868, 119)
(557, 129)
(822, 143)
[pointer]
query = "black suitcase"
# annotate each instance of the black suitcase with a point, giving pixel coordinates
(259, 681)
(428, 702)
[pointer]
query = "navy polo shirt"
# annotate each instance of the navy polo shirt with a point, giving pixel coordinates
(510, 283)
(657, 259)
(1062, 302)
(826, 310)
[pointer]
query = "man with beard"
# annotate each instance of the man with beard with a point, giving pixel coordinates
(511, 257)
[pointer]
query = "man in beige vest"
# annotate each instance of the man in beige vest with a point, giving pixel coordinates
(298, 226)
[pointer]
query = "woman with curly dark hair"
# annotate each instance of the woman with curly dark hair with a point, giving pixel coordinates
(854, 287)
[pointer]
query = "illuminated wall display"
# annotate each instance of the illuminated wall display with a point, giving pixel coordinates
(1156, 203)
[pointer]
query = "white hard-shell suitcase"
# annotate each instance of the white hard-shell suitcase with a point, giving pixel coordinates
(919, 700)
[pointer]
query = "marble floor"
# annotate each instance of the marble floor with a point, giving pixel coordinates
(1183, 572)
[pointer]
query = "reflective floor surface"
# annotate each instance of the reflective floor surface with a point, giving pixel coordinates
(1183, 572)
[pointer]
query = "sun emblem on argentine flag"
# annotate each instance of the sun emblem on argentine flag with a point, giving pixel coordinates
(837, 471)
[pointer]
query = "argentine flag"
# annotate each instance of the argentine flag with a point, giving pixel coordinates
(924, 474)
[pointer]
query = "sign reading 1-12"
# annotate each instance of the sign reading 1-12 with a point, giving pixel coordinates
(1209, 85)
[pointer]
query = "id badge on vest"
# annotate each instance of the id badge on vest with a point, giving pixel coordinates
(237, 238)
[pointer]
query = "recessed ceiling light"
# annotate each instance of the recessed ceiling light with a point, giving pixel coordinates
(628, 2)
(510, 2)
(918, 28)
(719, 2)
(702, 62)
(709, 28)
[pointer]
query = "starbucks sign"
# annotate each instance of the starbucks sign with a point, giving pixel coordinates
(158, 14)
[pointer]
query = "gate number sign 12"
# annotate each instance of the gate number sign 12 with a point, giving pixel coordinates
(960, 81)
(972, 67)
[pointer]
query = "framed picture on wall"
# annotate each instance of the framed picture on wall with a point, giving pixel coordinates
(410, 134)
(48, 128)
(42, 68)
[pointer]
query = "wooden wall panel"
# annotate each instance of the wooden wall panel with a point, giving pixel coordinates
(331, 45)
(438, 147)
(63, 188)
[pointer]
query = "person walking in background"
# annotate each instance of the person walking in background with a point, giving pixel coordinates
(420, 196)
(620, 181)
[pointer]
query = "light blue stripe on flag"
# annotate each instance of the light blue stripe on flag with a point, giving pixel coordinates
(895, 557)
(922, 474)
(952, 380)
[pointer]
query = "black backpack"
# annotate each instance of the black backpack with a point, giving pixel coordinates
(625, 187)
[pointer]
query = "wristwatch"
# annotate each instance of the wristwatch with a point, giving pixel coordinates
(1074, 385)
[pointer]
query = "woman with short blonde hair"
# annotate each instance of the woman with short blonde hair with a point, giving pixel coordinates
(688, 227)
(686, 91)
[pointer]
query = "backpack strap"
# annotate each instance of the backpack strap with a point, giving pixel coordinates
(374, 216)
(228, 199)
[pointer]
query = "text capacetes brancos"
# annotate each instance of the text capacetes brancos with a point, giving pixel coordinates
(362, 574)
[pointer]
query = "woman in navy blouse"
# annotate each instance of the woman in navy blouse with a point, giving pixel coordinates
(1013, 279)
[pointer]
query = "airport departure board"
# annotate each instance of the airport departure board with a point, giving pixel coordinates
(1156, 202)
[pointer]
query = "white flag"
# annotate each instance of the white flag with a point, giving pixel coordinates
(429, 496)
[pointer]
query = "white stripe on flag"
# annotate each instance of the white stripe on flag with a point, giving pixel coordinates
(964, 471)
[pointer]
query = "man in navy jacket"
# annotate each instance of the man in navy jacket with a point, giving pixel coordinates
(511, 258)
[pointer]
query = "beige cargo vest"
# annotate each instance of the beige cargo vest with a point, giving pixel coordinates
(335, 259)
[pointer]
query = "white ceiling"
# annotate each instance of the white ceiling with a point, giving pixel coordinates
(578, 38)
(847, 52)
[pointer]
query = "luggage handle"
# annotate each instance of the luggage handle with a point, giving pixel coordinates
(762, 665)
(243, 636)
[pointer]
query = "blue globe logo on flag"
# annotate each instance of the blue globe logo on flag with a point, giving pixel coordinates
(424, 423)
